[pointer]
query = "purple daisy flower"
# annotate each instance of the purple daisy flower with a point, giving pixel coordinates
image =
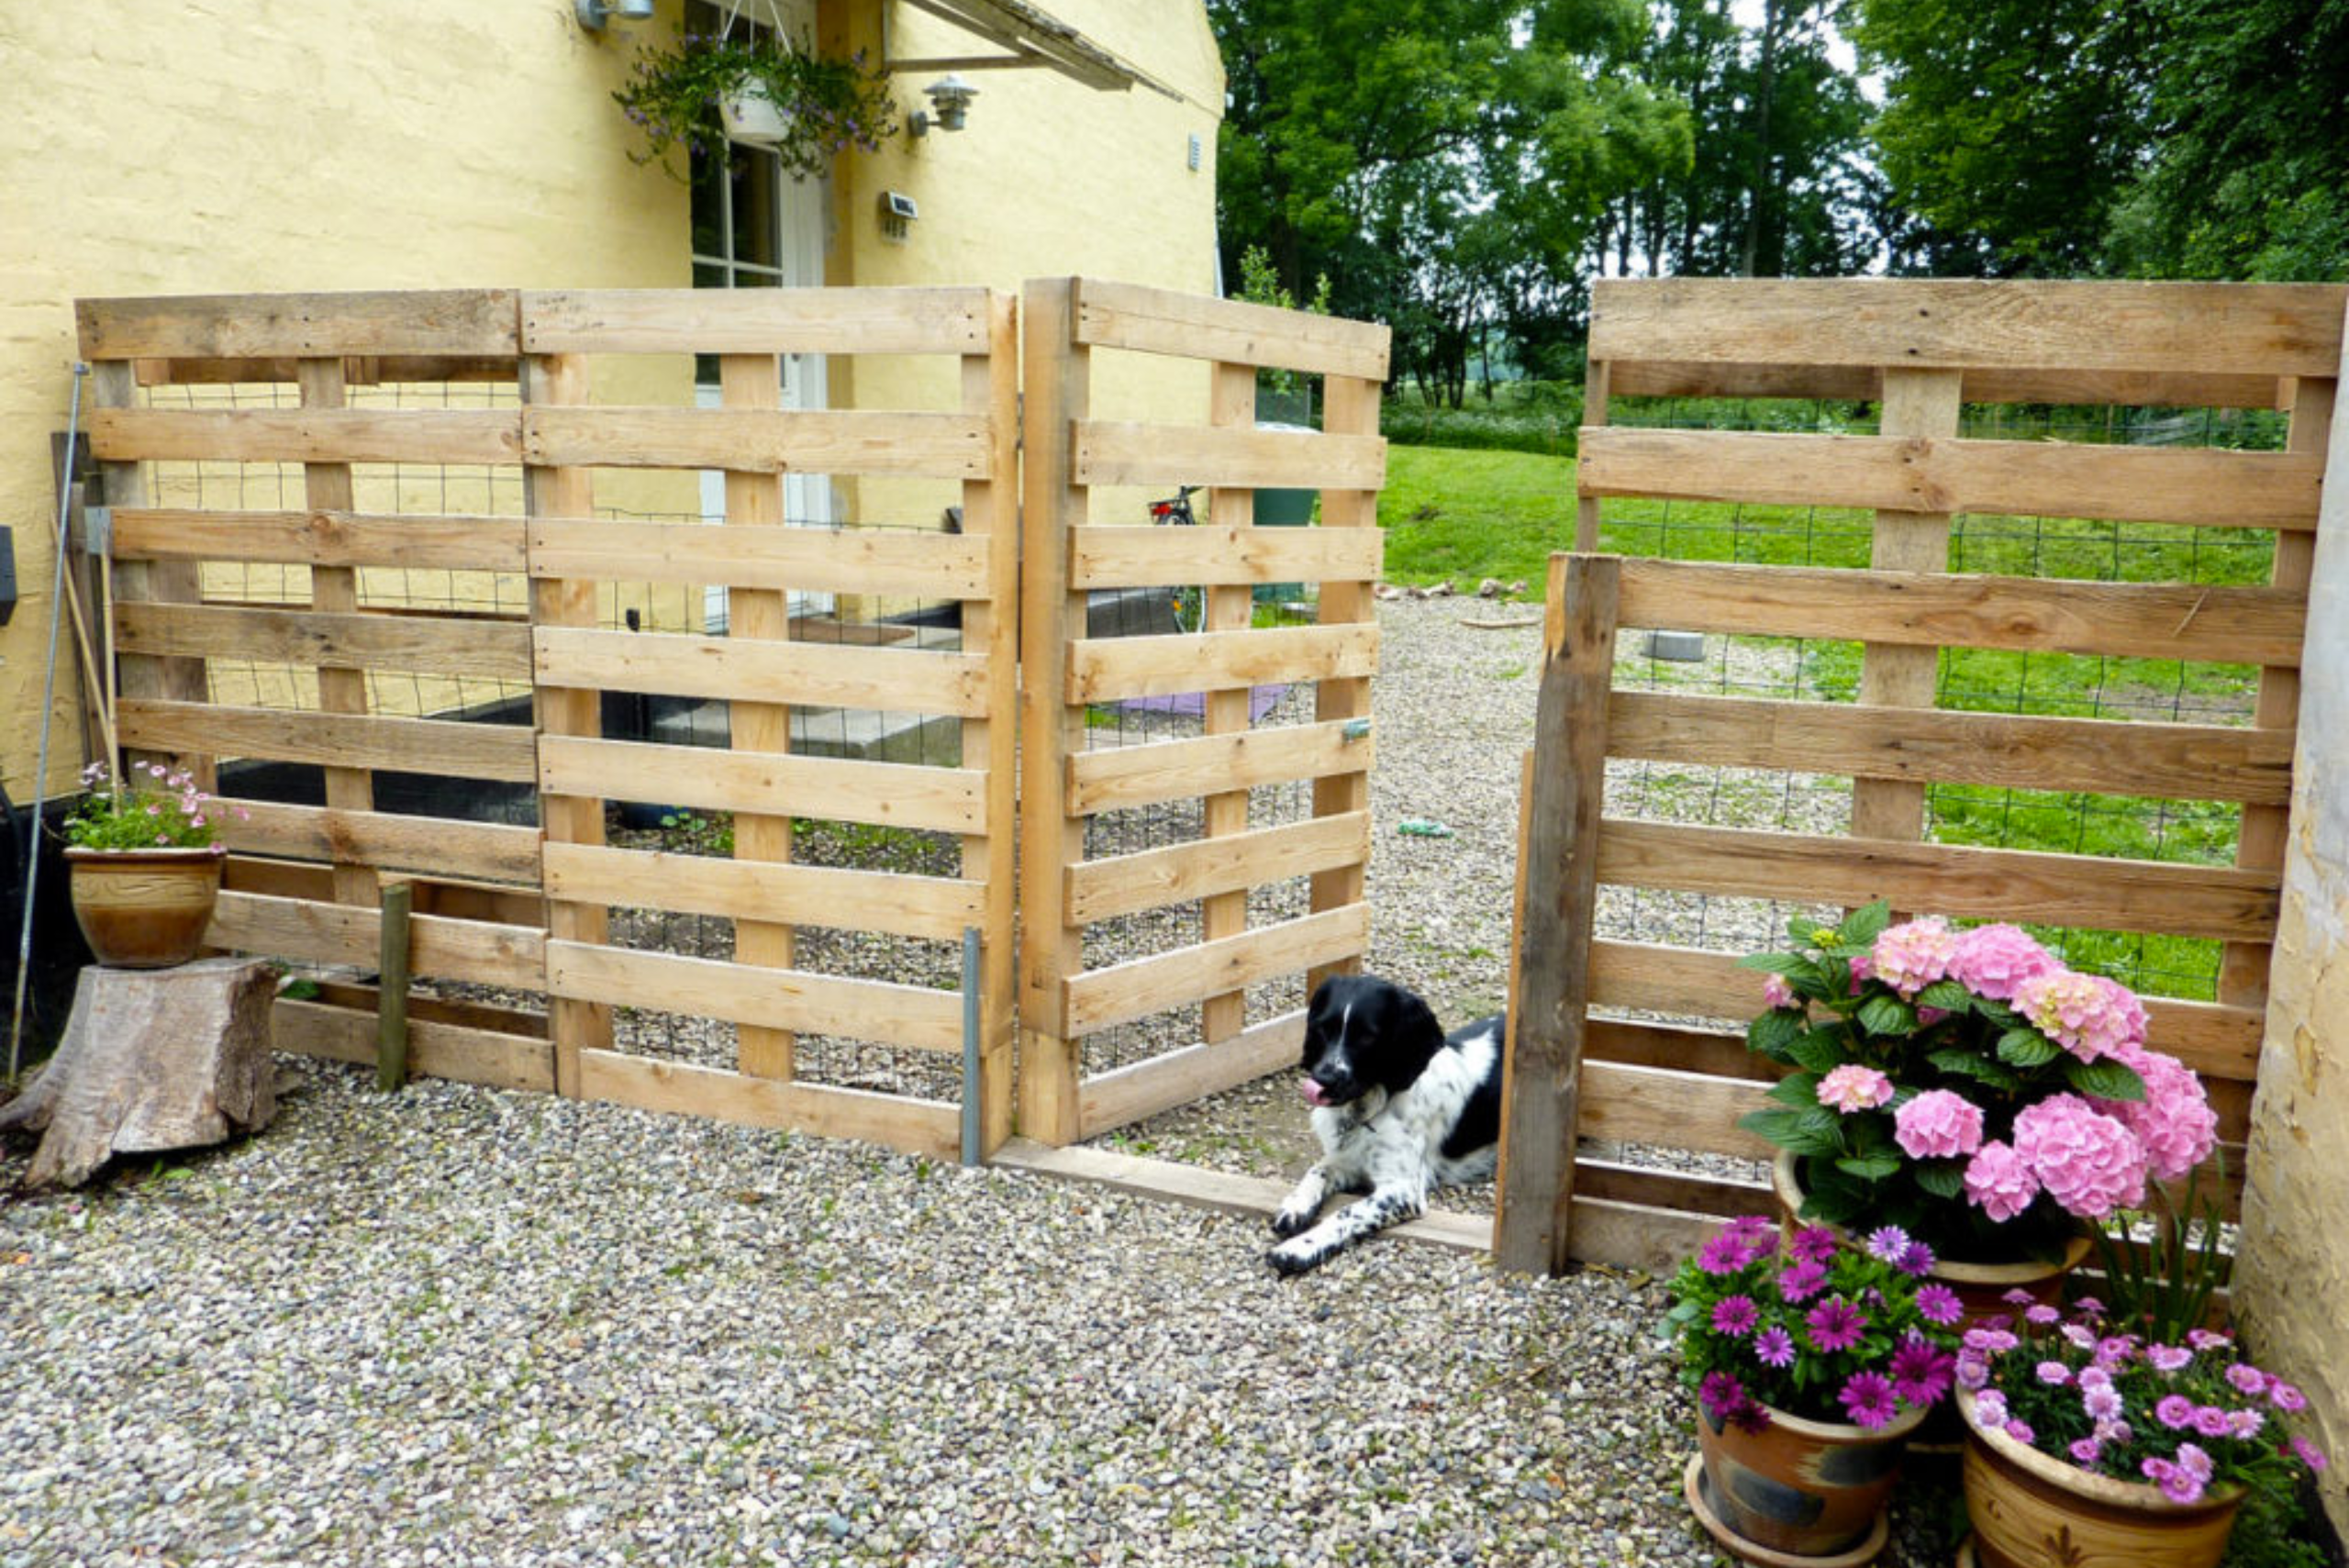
(1990, 1409)
(1835, 1325)
(1813, 1243)
(2102, 1404)
(2088, 1306)
(2019, 1429)
(2211, 1422)
(2285, 1397)
(1724, 1254)
(1889, 1243)
(2041, 1317)
(2086, 1451)
(1939, 1305)
(2055, 1374)
(2205, 1339)
(1869, 1399)
(1920, 1371)
(2309, 1453)
(1799, 1282)
(1735, 1316)
(1918, 1260)
(1721, 1393)
(2245, 1423)
(2168, 1357)
(1774, 1347)
(2247, 1379)
(2175, 1411)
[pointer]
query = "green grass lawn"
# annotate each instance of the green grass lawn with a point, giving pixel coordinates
(1467, 515)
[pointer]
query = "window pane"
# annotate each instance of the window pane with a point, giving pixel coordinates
(756, 173)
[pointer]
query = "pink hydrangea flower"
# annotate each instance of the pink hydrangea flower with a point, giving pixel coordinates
(1939, 1124)
(2082, 1013)
(1992, 961)
(1999, 1182)
(1776, 993)
(2085, 1161)
(1852, 1087)
(1912, 955)
(2174, 1122)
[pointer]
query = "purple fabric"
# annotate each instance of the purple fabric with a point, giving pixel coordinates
(1260, 702)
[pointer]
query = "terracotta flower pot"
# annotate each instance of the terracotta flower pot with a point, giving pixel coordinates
(1981, 1286)
(1802, 1488)
(144, 908)
(2034, 1510)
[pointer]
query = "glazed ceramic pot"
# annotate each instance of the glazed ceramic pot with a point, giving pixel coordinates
(2033, 1510)
(1799, 1487)
(144, 908)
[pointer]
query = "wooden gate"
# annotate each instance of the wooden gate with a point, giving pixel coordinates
(1623, 1039)
(1230, 720)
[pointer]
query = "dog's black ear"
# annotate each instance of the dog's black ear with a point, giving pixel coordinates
(1409, 1037)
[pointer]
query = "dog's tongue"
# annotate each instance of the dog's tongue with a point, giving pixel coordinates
(1313, 1093)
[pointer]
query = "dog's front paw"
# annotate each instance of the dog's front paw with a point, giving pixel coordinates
(1296, 1258)
(1289, 1221)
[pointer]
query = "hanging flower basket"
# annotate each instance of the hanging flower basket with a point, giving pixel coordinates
(752, 115)
(701, 92)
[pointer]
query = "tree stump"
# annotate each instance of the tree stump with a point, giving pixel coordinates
(151, 1059)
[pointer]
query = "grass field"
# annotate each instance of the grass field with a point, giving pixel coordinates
(1468, 514)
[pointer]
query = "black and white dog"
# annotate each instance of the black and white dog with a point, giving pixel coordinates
(1400, 1109)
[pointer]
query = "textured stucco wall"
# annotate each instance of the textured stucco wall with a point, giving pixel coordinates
(2293, 1279)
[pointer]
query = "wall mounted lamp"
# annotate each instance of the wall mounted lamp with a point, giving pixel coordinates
(594, 14)
(950, 95)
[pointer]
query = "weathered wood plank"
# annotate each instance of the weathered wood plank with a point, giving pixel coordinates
(307, 636)
(754, 321)
(1350, 406)
(358, 370)
(250, 326)
(1111, 669)
(843, 561)
(320, 539)
(925, 445)
(678, 665)
(2097, 892)
(309, 435)
(677, 1088)
(1918, 473)
(1173, 770)
(1121, 884)
(1111, 1100)
(1101, 997)
(1865, 383)
(933, 907)
(435, 1048)
(428, 844)
(911, 1016)
(1120, 452)
(498, 751)
(1117, 557)
(891, 795)
(1626, 1104)
(2102, 756)
(439, 948)
(1542, 1105)
(1162, 321)
(2143, 621)
(2265, 330)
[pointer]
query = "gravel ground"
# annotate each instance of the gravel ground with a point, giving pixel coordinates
(459, 1326)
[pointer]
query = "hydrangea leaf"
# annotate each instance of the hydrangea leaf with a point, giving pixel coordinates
(2105, 1080)
(2027, 1049)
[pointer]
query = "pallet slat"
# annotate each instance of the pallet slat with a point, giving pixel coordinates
(429, 844)
(1126, 1095)
(846, 560)
(1100, 997)
(1679, 1110)
(320, 539)
(1174, 769)
(2177, 762)
(2141, 620)
(1119, 557)
(1123, 885)
(501, 753)
(309, 435)
(1117, 452)
(1159, 321)
(911, 1015)
(764, 321)
(428, 645)
(2265, 330)
(2206, 488)
(888, 794)
(439, 1050)
(2097, 892)
(1865, 383)
(844, 676)
(487, 954)
(924, 446)
(296, 326)
(1110, 669)
(678, 1088)
(931, 907)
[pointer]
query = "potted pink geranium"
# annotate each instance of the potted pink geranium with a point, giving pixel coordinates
(1966, 1087)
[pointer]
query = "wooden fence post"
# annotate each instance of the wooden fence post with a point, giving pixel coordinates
(1350, 408)
(1542, 1083)
(1230, 607)
(1057, 373)
(575, 1026)
(991, 511)
(334, 590)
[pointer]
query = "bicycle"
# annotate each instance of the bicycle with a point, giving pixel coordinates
(1189, 603)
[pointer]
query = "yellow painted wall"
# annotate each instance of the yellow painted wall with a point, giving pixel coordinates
(248, 146)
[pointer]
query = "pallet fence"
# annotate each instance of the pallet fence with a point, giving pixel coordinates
(1208, 778)
(1641, 1042)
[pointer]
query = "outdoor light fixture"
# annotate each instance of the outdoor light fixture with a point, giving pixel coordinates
(594, 14)
(950, 95)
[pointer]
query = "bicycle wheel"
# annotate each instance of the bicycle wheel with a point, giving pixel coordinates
(1190, 609)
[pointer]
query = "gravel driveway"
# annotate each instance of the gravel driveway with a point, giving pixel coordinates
(460, 1325)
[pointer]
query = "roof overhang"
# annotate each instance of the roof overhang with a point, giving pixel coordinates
(1029, 38)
